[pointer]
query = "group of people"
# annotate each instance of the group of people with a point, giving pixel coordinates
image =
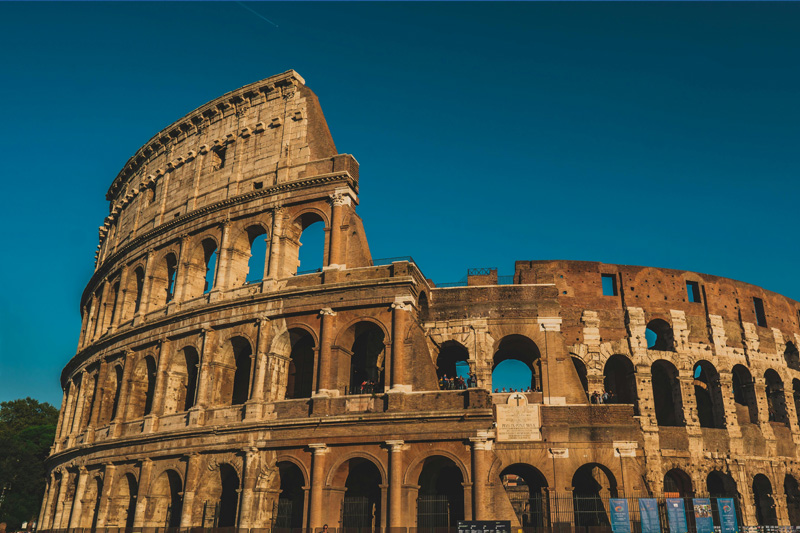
(367, 387)
(512, 389)
(457, 383)
(607, 396)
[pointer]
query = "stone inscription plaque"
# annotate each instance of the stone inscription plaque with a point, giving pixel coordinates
(518, 421)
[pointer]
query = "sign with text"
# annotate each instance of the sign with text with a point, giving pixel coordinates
(484, 526)
(517, 420)
(648, 513)
(727, 515)
(703, 520)
(676, 514)
(620, 517)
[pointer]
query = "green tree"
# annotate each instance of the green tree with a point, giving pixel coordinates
(27, 430)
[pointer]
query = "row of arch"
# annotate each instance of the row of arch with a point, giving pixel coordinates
(196, 266)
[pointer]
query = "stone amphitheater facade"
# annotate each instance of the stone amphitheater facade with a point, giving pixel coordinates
(204, 394)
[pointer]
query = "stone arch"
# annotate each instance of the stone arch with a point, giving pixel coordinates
(90, 503)
(515, 347)
(592, 484)
(677, 484)
(660, 336)
(776, 397)
(452, 356)
(796, 398)
(301, 222)
(362, 347)
(791, 356)
(165, 501)
(281, 342)
(422, 299)
(744, 395)
(142, 387)
(247, 259)
(708, 395)
(526, 488)
(217, 496)
(134, 289)
(182, 379)
(763, 501)
(414, 469)
(113, 389)
(201, 266)
(232, 369)
(291, 508)
(440, 497)
(667, 394)
(164, 280)
(357, 480)
(300, 372)
(721, 485)
(792, 492)
(583, 374)
(619, 376)
(298, 463)
(123, 501)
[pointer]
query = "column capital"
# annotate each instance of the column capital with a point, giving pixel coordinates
(395, 445)
(318, 448)
(480, 443)
(327, 311)
(547, 323)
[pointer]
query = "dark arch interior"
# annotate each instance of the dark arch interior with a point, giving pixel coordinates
(362, 499)
(591, 483)
(133, 489)
(791, 355)
(744, 395)
(720, 485)
(256, 236)
(139, 274)
(762, 498)
(311, 230)
(776, 399)
(301, 365)
(659, 335)
(171, 265)
(229, 498)
(677, 484)
(792, 491)
(667, 394)
(241, 377)
(192, 361)
(524, 486)
(441, 493)
(150, 368)
(210, 263)
(580, 368)
(366, 359)
(117, 390)
(796, 397)
(290, 501)
(523, 349)
(450, 355)
(619, 378)
(173, 517)
(710, 409)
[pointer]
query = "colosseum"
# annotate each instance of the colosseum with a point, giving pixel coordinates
(217, 384)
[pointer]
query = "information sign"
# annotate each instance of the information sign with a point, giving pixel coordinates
(648, 514)
(727, 515)
(703, 520)
(484, 526)
(620, 517)
(676, 514)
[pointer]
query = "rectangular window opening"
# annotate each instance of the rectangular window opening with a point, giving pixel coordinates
(761, 318)
(609, 284)
(693, 290)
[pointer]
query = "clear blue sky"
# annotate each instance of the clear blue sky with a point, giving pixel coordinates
(663, 134)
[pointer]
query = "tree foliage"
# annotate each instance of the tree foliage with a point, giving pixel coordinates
(27, 430)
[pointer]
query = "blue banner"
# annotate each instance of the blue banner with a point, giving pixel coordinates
(620, 518)
(727, 515)
(648, 514)
(703, 520)
(676, 514)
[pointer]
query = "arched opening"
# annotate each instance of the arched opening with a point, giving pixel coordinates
(451, 364)
(170, 269)
(580, 369)
(667, 394)
(619, 378)
(720, 485)
(762, 498)
(98, 314)
(506, 374)
(93, 399)
(677, 484)
(659, 336)
(525, 487)
(257, 237)
(138, 276)
(423, 306)
(792, 491)
(367, 358)
(744, 395)
(361, 506)
(708, 395)
(309, 232)
(792, 357)
(300, 378)
(113, 305)
(164, 504)
(796, 398)
(290, 501)
(776, 399)
(192, 361)
(210, 262)
(592, 485)
(115, 392)
(241, 376)
(91, 502)
(440, 502)
(123, 503)
(142, 388)
(229, 496)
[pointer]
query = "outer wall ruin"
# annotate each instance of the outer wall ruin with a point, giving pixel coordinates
(203, 393)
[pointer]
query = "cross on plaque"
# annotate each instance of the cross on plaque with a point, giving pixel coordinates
(517, 397)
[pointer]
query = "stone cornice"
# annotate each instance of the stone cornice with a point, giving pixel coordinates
(238, 98)
(322, 179)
